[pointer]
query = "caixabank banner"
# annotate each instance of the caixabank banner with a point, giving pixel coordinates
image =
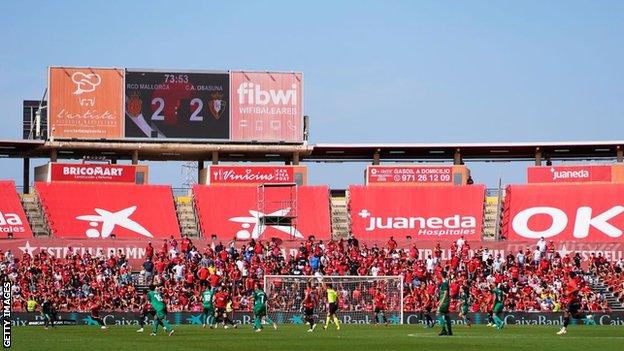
(100, 211)
(177, 105)
(21, 319)
(12, 217)
(237, 212)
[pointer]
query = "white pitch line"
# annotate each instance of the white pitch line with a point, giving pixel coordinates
(508, 336)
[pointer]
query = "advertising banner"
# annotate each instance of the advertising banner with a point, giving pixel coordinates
(582, 212)
(250, 174)
(422, 213)
(81, 172)
(267, 106)
(236, 212)
(126, 211)
(409, 174)
(12, 216)
(569, 174)
(134, 249)
(179, 105)
(22, 319)
(85, 103)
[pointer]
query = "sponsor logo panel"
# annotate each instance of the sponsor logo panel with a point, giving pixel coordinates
(250, 175)
(125, 211)
(569, 174)
(409, 174)
(93, 173)
(267, 106)
(589, 212)
(86, 103)
(306, 206)
(22, 319)
(12, 217)
(422, 213)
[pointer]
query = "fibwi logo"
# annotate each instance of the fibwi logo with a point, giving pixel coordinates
(258, 229)
(252, 94)
(427, 226)
(111, 219)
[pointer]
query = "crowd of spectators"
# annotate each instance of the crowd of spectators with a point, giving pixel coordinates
(534, 279)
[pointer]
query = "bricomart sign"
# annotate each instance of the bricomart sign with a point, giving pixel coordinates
(109, 103)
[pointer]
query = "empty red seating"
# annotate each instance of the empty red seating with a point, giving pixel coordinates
(125, 211)
(12, 217)
(234, 211)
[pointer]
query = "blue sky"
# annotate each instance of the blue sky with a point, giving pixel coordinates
(375, 71)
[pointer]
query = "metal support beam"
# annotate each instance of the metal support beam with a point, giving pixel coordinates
(295, 160)
(620, 154)
(26, 176)
(215, 158)
(135, 157)
(113, 161)
(538, 156)
(376, 157)
(457, 160)
(200, 167)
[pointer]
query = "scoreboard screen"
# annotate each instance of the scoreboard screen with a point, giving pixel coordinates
(177, 105)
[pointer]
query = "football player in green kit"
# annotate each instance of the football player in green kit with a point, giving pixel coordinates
(158, 302)
(260, 309)
(444, 302)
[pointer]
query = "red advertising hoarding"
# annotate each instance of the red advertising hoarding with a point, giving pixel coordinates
(409, 174)
(127, 211)
(569, 174)
(235, 212)
(12, 216)
(135, 249)
(565, 212)
(423, 213)
(80, 172)
(250, 174)
(266, 106)
(86, 103)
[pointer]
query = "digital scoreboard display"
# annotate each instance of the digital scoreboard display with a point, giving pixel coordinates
(177, 105)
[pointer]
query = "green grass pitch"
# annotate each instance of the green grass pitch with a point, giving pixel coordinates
(295, 338)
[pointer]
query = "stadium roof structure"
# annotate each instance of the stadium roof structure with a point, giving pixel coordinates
(256, 152)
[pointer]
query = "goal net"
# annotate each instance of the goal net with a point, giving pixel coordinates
(355, 297)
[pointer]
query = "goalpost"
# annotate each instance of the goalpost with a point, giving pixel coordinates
(286, 293)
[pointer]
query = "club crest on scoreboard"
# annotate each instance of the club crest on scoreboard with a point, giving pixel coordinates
(217, 105)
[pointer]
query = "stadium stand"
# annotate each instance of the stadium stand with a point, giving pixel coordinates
(184, 270)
